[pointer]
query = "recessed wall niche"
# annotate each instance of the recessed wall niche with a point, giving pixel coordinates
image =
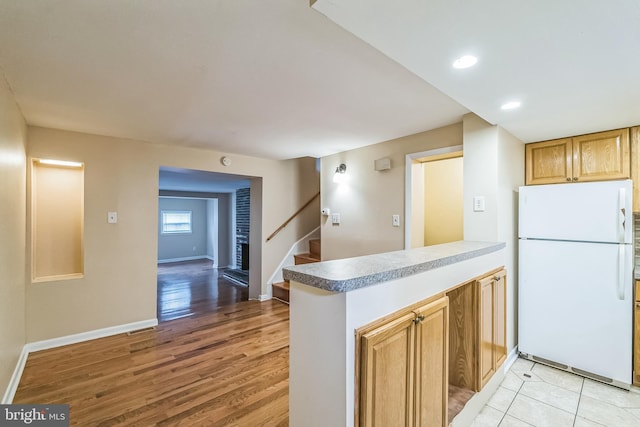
(57, 220)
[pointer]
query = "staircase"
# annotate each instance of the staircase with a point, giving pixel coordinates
(281, 290)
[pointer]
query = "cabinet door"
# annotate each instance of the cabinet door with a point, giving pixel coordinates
(636, 346)
(636, 337)
(500, 317)
(387, 371)
(548, 162)
(635, 166)
(486, 361)
(601, 156)
(432, 358)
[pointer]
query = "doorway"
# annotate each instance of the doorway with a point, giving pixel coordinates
(434, 197)
(197, 233)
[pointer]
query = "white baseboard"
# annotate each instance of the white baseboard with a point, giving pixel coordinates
(473, 407)
(68, 339)
(186, 258)
(15, 378)
(511, 358)
(90, 335)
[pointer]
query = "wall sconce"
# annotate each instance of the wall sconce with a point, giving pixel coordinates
(338, 177)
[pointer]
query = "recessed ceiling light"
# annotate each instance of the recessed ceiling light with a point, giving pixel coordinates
(510, 105)
(465, 62)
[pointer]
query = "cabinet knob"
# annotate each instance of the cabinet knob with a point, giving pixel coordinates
(418, 319)
(497, 278)
(575, 178)
(568, 179)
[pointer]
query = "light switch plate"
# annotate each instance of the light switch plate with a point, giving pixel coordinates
(112, 217)
(395, 220)
(478, 203)
(335, 218)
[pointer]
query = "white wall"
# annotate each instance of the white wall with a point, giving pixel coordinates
(13, 137)
(212, 231)
(510, 177)
(417, 205)
(494, 168)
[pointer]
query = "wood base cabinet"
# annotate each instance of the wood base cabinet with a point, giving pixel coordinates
(636, 337)
(492, 332)
(403, 367)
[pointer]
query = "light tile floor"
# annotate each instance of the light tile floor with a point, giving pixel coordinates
(532, 394)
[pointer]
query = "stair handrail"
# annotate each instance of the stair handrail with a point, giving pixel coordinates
(284, 224)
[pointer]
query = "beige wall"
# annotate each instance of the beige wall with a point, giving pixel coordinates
(443, 213)
(121, 175)
(494, 168)
(13, 135)
(367, 201)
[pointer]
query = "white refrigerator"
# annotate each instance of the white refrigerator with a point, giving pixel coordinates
(575, 288)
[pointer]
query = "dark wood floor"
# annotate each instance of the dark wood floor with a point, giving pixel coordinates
(225, 367)
(194, 287)
(229, 367)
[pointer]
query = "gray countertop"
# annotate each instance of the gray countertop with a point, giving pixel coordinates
(344, 275)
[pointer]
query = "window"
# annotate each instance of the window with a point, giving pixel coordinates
(176, 222)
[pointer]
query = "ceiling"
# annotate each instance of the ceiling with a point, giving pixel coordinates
(177, 179)
(573, 65)
(279, 79)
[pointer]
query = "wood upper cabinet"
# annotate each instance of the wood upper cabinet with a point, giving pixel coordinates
(549, 162)
(594, 157)
(635, 166)
(403, 368)
(602, 156)
(492, 345)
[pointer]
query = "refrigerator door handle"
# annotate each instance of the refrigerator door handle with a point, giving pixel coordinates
(622, 195)
(621, 275)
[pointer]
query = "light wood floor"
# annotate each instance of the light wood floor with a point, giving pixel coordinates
(228, 367)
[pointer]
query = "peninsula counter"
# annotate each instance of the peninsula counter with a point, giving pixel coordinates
(330, 300)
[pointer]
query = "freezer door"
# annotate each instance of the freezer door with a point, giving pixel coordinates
(593, 212)
(575, 305)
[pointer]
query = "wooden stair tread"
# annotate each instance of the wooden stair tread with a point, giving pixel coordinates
(305, 258)
(280, 291)
(282, 285)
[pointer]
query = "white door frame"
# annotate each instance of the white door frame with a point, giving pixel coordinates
(410, 160)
